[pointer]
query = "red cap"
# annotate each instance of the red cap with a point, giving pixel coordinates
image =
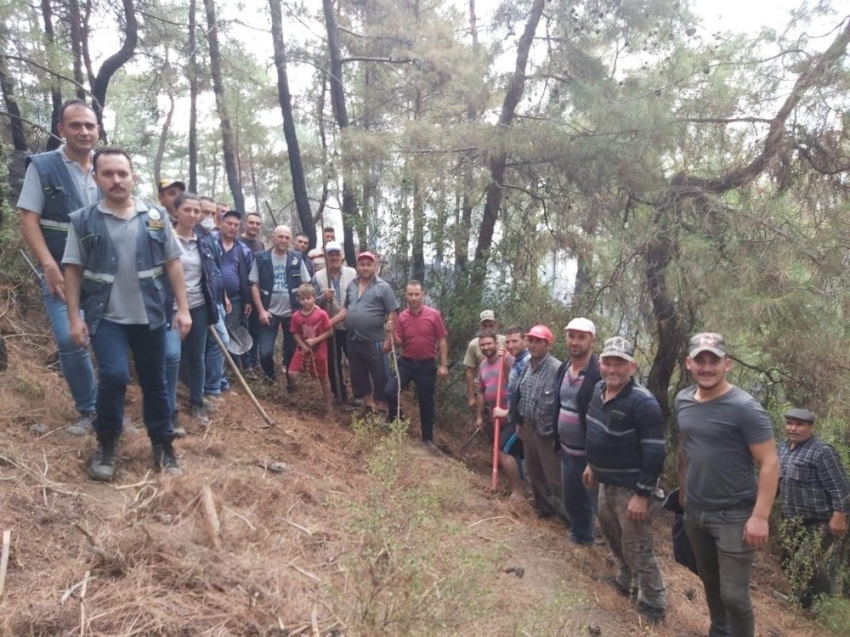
(367, 255)
(541, 331)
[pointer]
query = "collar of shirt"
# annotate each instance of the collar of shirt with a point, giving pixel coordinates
(139, 206)
(625, 391)
(534, 368)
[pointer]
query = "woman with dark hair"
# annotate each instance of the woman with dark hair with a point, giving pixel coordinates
(201, 262)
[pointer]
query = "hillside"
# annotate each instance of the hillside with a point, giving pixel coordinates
(325, 529)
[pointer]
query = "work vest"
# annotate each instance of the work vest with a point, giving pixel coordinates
(102, 263)
(265, 274)
(209, 250)
(61, 198)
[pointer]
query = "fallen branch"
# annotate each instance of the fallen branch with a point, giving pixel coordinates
(314, 619)
(4, 559)
(241, 517)
(83, 603)
(498, 517)
(71, 589)
(305, 573)
(213, 525)
(298, 526)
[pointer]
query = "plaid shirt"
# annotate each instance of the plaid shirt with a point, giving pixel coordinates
(814, 484)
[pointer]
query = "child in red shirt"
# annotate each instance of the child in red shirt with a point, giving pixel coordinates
(311, 328)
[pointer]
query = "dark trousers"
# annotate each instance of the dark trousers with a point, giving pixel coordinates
(251, 357)
(111, 343)
(335, 364)
(725, 564)
(424, 374)
(268, 336)
(579, 501)
(543, 468)
(805, 559)
(368, 369)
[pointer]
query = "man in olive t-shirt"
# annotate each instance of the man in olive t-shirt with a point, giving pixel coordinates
(725, 435)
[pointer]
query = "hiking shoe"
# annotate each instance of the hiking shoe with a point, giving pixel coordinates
(83, 425)
(624, 591)
(208, 405)
(652, 614)
(179, 430)
(199, 412)
(102, 465)
(165, 460)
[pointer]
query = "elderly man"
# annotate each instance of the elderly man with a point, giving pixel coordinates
(815, 505)
(474, 356)
(275, 276)
(625, 455)
(369, 303)
(532, 407)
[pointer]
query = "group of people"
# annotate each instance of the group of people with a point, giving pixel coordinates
(120, 274)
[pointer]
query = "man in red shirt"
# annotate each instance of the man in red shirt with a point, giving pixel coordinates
(420, 332)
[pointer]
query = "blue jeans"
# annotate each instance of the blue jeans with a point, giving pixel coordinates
(579, 502)
(214, 380)
(110, 344)
(725, 564)
(74, 360)
(268, 336)
(191, 349)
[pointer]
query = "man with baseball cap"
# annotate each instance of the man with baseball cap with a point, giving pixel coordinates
(625, 456)
(531, 410)
(168, 189)
(815, 505)
(474, 356)
(725, 434)
(331, 284)
(369, 303)
(574, 388)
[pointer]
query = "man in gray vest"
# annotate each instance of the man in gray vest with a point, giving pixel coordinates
(115, 258)
(57, 183)
(275, 276)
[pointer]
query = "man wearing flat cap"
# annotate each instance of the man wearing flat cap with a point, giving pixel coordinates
(815, 505)
(167, 191)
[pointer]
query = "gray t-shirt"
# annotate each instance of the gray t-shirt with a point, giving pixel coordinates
(279, 304)
(32, 192)
(368, 311)
(716, 436)
(126, 304)
(190, 259)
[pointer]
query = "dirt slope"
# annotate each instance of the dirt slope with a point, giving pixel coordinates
(360, 533)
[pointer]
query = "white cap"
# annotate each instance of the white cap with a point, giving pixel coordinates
(333, 246)
(581, 325)
(315, 252)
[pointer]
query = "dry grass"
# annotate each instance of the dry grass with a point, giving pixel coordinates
(361, 534)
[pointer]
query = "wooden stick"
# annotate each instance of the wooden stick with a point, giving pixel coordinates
(242, 382)
(4, 559)
(211, 515)
(314, 619)
(83, 603)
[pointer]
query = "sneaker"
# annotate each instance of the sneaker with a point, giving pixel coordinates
(102, 466)
(199, 413)
(83, 425)
(165, 460)
(652, 614)
(179, 430)
(209, 406)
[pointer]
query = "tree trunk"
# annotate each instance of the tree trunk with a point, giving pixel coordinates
(465, 226)
(55, 91)
(254, 186)
(114, 62)
(76, 37)
(349, 203)
(516, 86)
(193, 99)
(418, 207)
(227, 144)
(7, 85)
(296, 168)
(163, 140)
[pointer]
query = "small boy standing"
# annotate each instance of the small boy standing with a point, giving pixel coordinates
(311, 328)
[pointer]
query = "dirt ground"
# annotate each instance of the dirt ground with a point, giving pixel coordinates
(322, 529)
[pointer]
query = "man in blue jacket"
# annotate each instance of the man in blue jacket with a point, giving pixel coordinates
(625, 455)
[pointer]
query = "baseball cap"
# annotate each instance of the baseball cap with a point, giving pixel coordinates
(581, 324)
(487, 315)
(333, 246)
(542, 332)
(168, 183)
(707, 342)
(619, 347)
(367, 255)
(232, 213)
(800, 414)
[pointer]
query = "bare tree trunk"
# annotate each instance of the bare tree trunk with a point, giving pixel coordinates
(349, 203)
(418, 207)
(163, 140)
(19, 139)
(228, 148)
(75, 32)
(55, 91)
(193, 99)
(296, 168)
(114, 62)
(465, 226)
(254, 185)
(320, 113)
(516, 86)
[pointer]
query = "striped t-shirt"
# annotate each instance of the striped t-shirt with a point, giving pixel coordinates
(569, 426)
(488, 380)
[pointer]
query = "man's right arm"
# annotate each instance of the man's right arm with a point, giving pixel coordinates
(31, 231)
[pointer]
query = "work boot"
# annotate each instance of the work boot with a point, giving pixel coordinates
(199, 413)
(102, 466)
(179, 430)
(82, 425)
(165, 460)
(653, 614)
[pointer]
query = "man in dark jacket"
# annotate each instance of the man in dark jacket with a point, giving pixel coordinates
(625, 454)
(573, 390)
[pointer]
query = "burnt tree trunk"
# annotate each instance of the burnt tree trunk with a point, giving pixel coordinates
(193, 98)
(228, 148)
(7, 85)
(55, 91)
(296, 168)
